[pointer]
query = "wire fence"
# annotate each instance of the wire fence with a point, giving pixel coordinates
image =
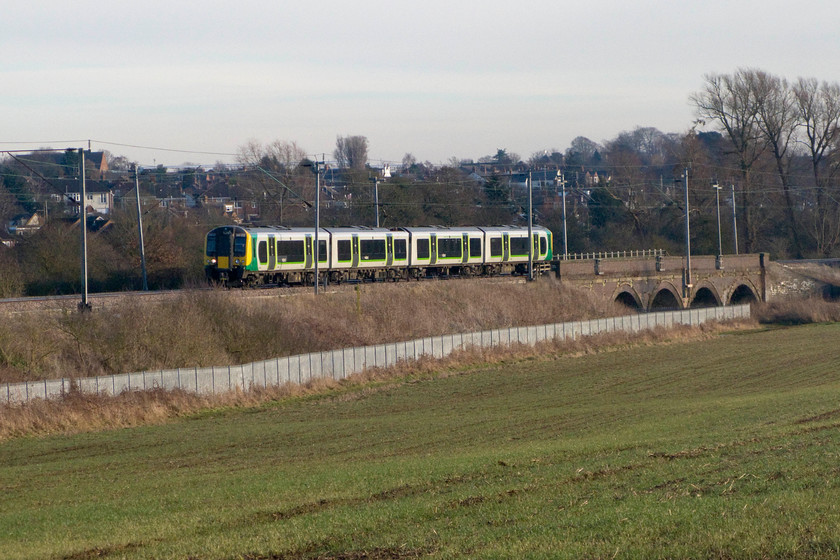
(339, 364)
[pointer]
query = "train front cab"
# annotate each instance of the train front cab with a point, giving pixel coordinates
(227, 251)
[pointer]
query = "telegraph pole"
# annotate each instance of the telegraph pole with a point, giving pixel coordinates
(375, 181)
(317, 218)
(565, 232)
(84, 305)
(530, 227)
(688, 284)
(717, 188)
(140, 229)
(734, 220)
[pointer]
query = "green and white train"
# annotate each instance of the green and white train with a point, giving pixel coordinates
(250, 256)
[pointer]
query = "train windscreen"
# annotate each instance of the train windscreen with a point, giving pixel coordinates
(240, 245)
(211, 244)
(221, 247)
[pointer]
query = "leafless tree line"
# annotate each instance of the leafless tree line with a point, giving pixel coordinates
(768, 120)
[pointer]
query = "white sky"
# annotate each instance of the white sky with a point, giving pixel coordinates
(437, 78)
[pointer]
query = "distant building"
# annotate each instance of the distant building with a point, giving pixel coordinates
(6, 240)
(24, 224)
(99, 202)
(98, 162)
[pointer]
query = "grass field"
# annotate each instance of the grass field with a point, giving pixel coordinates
(722, 448)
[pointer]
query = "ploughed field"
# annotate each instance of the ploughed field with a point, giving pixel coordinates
(727, 447)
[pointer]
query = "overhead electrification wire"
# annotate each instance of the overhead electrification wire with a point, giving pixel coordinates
(279, 182)
(47, 181)
(157, 148)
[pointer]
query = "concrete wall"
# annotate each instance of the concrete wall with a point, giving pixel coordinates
(338, 364)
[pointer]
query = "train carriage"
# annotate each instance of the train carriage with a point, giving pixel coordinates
(247, 256)
(360, 253)
(444, 251)
(506, 248)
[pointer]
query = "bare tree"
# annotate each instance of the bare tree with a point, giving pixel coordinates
(729, 101)
(777, 121)
(276, 178)
(351, 151)
(279, 155)
(544, 158)
(818, 106)
(408, 161)
(580, 151)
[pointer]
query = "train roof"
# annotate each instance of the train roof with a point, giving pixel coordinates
(367, 229)
(512, 228)
(439, 229)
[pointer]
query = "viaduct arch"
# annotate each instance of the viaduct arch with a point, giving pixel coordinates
(650, 283)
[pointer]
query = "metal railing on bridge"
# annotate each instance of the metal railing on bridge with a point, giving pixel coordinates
(614, 254)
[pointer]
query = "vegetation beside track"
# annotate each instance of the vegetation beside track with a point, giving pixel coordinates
(218, 327)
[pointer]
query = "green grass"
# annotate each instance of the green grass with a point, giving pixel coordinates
(724, 448)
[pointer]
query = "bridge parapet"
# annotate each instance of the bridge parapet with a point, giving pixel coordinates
(650, 282)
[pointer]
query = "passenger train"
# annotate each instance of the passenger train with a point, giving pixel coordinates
(250, 256)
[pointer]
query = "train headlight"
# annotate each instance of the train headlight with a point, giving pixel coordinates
(212, 261)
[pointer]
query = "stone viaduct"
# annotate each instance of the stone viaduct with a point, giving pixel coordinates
(662, 282)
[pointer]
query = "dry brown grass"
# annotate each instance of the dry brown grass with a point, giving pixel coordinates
(204, 328)
(797, 311)
(78, 412)
(819, 272)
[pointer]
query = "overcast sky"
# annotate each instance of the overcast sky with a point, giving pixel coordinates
(436, 78)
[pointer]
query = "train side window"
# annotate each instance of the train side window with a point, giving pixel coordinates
(290, 251)
(400, 249)
(322, 251)
(449, 248)
(372, 249)
(519, 246)
(495, 246)
(344, 250)
(423, 249)
(475, 247)
(263, 252)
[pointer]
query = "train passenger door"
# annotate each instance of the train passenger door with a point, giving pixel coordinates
(433, 249)
(308, 252)
(389, 249)
(465, 251)
(272, 253)
(355, 251)
(505, 247)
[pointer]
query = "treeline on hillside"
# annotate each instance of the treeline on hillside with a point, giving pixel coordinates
(770, 146)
